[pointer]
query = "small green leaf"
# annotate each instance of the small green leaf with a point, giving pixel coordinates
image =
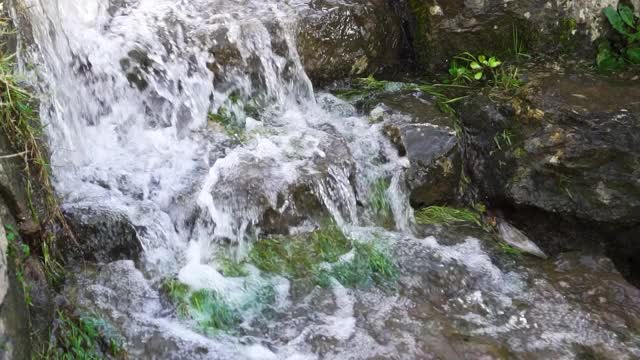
(615, 20)
(633, 54)
(482, 59)
(475, 66)
(25, 250)
(478, 75)
(494, 63)
(626, 14)
(606, 60)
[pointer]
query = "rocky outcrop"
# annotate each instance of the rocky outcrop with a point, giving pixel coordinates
(567, 144)
(338, 39)
(446, 28)
(563, 157)
(14, 329)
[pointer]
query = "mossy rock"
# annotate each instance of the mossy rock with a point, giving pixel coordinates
(445, 29)
(565, 143)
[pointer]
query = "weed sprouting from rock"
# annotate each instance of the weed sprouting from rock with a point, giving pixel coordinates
(443, 215)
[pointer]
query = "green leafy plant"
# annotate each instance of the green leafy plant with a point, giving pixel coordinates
(626, 24)
(19, 253)
(469, 69)
(86, 337)
(228, 121)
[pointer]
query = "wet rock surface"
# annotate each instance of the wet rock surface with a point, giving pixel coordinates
(423, 134)
(562, 157)
(444, 29)
(103, 236)
(567, 144)
(338, 39)
(464, 300)
(434, 161)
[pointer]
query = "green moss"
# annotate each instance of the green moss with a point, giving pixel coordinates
(519, 153)
(232, 268)
(447, 216)
(212, 312)
(369, 266)
(315, 259)
(297, 256)
(567, 28)
(380, 204)
(420, 9)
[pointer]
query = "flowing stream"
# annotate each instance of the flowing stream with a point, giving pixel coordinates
(133, 94)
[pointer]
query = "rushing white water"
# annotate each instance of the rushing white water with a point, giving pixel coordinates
(128, 88)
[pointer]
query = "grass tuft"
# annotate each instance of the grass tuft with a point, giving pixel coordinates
(208, 308)
(297, 256)
(310, 258)
(177, 293)
(232, 268)
(86, 337)
(212, 312)
(369, 266)
(380, 202)
(447, 216)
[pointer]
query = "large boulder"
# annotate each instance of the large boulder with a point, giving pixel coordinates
(340, 39)
(272, 184)
(444, 29)
(565, 144)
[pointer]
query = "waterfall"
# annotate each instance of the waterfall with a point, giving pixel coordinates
(195, 121)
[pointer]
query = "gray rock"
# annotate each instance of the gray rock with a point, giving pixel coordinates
(423, 134)
(104, 236)
(566, 144)
(514, 237)
(272, 195)
(444, 29)
(341, 39)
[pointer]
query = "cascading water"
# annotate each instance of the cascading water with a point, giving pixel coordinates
(133, 91)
